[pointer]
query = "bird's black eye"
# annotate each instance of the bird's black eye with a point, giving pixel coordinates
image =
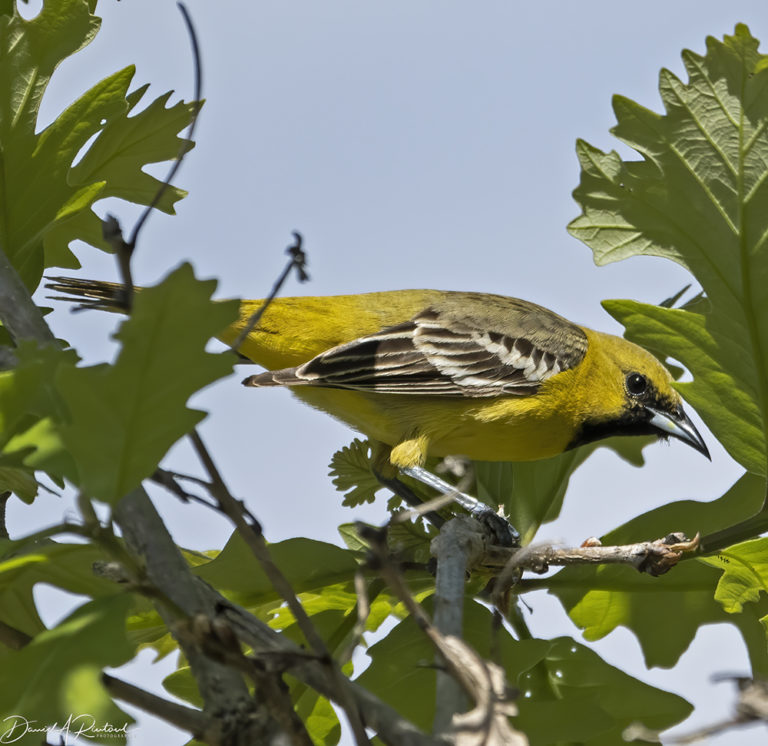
(637, 384)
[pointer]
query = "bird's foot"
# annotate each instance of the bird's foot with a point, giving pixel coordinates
(503, 532)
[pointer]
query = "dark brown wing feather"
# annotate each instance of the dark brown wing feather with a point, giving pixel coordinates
(468, 345)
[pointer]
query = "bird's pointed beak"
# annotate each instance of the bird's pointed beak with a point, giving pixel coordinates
(679, 426)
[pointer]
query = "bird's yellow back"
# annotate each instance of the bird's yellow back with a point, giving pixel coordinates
(294, 330)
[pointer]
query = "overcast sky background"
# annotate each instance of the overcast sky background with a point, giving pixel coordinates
(414, 144)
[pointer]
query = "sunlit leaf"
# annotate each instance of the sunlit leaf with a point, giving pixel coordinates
(124, 417)
(598, 599)
(699, 196)
(46, 201)
(58, 675)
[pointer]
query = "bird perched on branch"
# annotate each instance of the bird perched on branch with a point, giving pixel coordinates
(431, 373)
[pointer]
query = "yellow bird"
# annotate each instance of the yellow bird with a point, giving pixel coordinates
(435, 373)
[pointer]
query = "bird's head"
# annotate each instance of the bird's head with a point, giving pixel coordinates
(630, 392)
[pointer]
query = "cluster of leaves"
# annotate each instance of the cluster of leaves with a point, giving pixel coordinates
(697, 197)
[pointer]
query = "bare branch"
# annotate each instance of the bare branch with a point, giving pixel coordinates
(363, 611)
(652, 557)
(216, 639)
(388, 724)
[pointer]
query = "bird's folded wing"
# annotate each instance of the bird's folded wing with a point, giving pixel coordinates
(444, 353)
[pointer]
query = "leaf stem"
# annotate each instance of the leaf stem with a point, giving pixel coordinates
(751, 528)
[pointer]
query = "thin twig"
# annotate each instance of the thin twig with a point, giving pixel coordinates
(652, 557)
(198, 67)
(363, 611)
(420, 511)
(111, 230)
(168, 479)
(299, 261)
(187, 718)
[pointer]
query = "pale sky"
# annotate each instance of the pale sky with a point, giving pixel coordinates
(414, 144)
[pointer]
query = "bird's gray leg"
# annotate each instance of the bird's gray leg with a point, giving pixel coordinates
(404, 492)
(506, 534)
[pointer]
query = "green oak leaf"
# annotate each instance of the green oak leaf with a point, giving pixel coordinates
(65, 566)
(532, 492)
(720, 391)
(46, 199)
(28, 406)
(351, 473)
(698, 196)
(58, 674)
(124, 417)
(568, 693)
(744, 574)
(599, 599)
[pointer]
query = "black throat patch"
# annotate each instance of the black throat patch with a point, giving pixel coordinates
(631, 422)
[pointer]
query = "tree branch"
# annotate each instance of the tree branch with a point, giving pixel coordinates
(270, 646)
(233, 713)
(276, 653)
(652, 557)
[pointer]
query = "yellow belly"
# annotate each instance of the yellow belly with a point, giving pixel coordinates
(510, 429)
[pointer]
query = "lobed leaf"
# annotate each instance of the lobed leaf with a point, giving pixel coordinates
(532, 492)
(744, 574)
(599, 599)
(65, 566)
(58, 675)
(699, 196)
(726, 401)
(568, 692)
(350, 469)
(28, 407)
(123, 418)
(47, 199)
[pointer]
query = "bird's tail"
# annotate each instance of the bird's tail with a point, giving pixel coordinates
(105, 296)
